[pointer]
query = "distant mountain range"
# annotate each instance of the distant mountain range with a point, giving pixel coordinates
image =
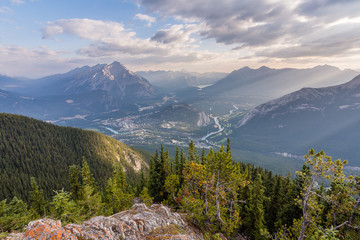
(248, 87)
(175, 80)
(321, 118)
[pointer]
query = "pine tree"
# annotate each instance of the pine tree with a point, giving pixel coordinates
(228, 147)
(203, 157)
(177, 163)
(75, 186)
(37, 201)
(192, 153)
(156, 185)
(90, 198)
(117, 194)
(254, 222)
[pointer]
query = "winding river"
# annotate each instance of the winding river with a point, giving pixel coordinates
(221, 128)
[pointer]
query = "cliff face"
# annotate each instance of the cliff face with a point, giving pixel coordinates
(138, 223)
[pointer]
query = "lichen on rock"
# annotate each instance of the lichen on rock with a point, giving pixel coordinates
(137, 223)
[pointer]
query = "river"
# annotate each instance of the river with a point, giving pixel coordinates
(221, 128)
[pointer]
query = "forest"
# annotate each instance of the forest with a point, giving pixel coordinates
(217, 194)
(29, 147)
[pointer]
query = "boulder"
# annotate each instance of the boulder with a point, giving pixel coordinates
(137, 223)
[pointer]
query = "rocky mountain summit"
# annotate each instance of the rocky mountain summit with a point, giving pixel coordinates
(114, 79)
(137, 223)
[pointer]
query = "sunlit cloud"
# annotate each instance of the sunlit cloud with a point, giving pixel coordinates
(150, 20)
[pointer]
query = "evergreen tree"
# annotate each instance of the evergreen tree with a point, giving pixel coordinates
(145, 196)
(192, 153)
(182, 167)
(156, 178)
(37, 201)
(90, 198)
(203, 157)
(87, 178)
(66, 209)
(75, 186)
(117, 194)
(14, 215)
(254, 222)
(228, 147)
(210, 192)
(177, 164)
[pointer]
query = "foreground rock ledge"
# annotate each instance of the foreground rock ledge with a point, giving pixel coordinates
(140, 222)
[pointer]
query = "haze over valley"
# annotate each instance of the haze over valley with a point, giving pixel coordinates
(111, 99)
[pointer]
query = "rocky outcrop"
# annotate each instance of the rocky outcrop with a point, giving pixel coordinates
(140, 222)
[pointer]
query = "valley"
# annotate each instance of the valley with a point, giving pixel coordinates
(111, 99)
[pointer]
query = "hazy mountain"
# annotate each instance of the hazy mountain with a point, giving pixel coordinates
(175, 80)
(32, 148)
(323, 118)
(11, 102)
(248, 87)
(9, 83)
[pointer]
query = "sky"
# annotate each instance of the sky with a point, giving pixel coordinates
(43, 37)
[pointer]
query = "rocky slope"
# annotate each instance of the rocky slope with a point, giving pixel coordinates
(138, 223)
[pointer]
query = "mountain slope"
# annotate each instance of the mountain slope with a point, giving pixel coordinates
(9, 83)
(323, 118)
(31, 148)
(11, 102)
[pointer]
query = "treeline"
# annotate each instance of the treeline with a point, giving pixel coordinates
(30, 147)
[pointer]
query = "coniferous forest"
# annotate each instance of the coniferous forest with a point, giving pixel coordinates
(218, 194)
(32, 148)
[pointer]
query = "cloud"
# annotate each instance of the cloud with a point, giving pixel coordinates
(112, 39)
(4, 9)
(17, 2)
(288, 28)
(150, 20)
(22, 61)
(177, 34)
